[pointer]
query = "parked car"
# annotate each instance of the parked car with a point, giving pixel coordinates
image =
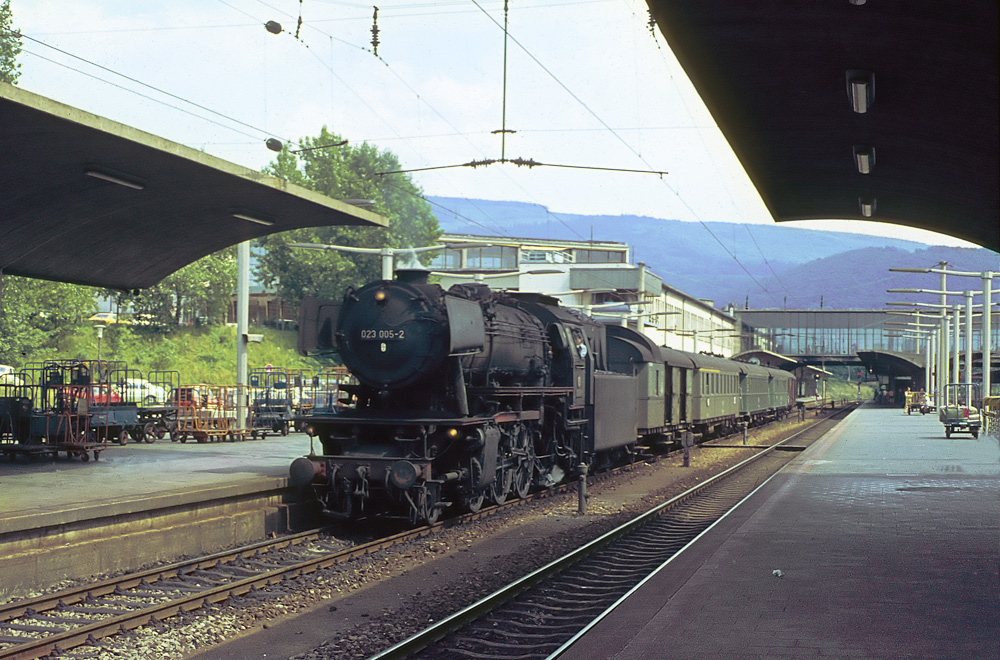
(8, 376)
(143, 392)
(107, 317)
(103, 395)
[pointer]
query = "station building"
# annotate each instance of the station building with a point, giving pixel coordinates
(597, 278)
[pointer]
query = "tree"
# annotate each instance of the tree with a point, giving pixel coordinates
(200, 290)
(343, 172)
(10, 46)
(37, 314)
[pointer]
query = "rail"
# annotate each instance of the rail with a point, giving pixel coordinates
(421, 644)
(39, 626)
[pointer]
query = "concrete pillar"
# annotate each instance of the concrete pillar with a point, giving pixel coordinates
(944, 343)
(943, 358)
(929, 365)
(987, 329)
(968, 337)
(955, 377)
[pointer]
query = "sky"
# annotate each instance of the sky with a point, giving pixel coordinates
(588, 85)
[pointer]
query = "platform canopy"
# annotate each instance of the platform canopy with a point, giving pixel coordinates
(87, 200)
(781, 78)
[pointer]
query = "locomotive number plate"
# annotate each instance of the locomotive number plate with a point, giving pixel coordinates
(383, 334)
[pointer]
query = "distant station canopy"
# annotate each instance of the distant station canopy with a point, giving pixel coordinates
(853, 110)
(90, 201)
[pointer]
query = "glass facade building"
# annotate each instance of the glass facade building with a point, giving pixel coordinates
(841, 332)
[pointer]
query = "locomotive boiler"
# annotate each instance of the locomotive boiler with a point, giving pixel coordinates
(462, 396)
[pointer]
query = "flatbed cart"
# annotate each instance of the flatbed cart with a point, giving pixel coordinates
(916, 401)
(959, 412)
(209, 413)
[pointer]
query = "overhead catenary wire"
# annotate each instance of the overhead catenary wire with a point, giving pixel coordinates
(307, 25)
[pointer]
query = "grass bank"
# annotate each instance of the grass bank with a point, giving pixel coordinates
(201, 355)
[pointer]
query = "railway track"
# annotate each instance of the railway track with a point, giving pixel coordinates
(59, 621)
(537, 615)
(36, 627)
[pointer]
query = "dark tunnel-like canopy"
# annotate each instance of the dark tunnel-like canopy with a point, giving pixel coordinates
(90, 201)
(778, 77)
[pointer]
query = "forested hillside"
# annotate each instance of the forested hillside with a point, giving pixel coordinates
(765, 266)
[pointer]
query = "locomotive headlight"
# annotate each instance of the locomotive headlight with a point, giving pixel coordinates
(452, 433)
(380, 296)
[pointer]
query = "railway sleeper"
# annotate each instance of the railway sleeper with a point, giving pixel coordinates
(27, 627)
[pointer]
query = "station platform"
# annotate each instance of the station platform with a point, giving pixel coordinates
(139, 504)
(881, 540)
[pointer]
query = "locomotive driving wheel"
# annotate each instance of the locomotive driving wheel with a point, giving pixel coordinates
(470, 498)
(473, 503)
(524, 464)
(500, 488)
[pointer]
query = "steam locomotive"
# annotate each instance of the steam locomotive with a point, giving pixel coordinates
(471, 394)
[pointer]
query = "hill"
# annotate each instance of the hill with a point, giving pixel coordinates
(765, 266)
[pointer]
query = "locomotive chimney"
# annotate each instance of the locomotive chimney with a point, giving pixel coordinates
(413, 275)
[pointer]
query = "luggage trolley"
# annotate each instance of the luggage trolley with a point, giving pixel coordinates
(322, 396)
(15, 414)
(916, 401)
(270, 402)
(113, 416)
(208, 412)
(54, 414)
(157, 407)
(959, 411)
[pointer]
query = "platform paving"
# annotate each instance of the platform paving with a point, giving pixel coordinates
(139, 504)
(885, 537)
(59, 491)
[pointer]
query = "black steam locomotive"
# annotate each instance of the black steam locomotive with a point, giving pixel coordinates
(473, 394)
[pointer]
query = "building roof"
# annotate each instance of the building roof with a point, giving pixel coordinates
(531, 243)
(766, 358)
(91, 201)
(775, 77)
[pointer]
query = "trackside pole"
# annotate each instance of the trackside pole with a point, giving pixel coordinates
(242, 327)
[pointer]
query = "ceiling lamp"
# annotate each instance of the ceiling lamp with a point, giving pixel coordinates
(867, 206)
(861, 89)
(105, 174)
(864, 158)
(250, 218)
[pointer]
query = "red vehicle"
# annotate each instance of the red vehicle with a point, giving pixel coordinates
(103, 394)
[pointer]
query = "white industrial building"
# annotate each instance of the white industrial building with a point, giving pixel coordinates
(596, 277)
